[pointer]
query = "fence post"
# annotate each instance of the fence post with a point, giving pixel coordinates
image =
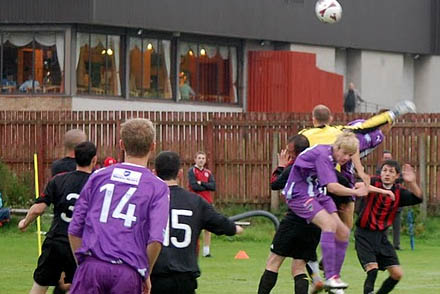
(422, 160)
(274, 195)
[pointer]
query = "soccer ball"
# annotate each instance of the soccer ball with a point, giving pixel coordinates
(328, 11)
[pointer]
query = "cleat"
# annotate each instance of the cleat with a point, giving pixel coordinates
(403, 107)
(317, 287)
(207, 255)
(335, 283)
(336, 291)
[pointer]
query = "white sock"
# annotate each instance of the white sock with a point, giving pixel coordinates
(205, 250)
(314, 265)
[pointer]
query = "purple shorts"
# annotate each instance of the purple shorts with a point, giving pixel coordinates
(307, 207)
(94, 276)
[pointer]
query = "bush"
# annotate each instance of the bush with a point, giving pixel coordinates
(16, 191)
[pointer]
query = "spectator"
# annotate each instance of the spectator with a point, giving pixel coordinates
(352, 99)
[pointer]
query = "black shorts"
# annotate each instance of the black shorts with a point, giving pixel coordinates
(171, 283)
(295, 239)
(56, 257)
(374, 247)
(342, 199)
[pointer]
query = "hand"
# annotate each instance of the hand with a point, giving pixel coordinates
(22, 225)
(199, 182)
(238, 229)
(147, 286)
(391, 195)
(283, 158)
(408, 173)
(361, 190)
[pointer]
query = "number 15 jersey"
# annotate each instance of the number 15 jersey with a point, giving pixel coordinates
(121, 210)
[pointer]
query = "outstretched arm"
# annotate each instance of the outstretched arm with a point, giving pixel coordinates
(35, 211)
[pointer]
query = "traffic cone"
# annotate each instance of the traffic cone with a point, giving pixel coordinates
(241, 255)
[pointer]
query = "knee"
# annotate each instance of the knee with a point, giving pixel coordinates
(274, 262)
(329, 225)
(396, 273)
(298, 267)
(343, 232)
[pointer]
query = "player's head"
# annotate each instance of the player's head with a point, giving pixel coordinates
(321, 115)
(389, 172)
(72, 138)
(387, 155)
(138, 137)
(167, 165)
(297, 144)
(200, 159)
(85, 154)
(345, 146)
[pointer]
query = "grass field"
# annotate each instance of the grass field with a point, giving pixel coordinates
(224, 274)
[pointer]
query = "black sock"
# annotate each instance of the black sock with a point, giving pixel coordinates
(301, 284)
(370, 280)
(387, 286)
(267, 282)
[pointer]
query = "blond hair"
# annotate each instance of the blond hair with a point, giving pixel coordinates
(138, 135)
(348, 142)
(199, 153)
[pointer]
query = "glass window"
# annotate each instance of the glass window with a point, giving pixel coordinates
(32, 62)
(150, 68)
(207, 72)
(98, 64)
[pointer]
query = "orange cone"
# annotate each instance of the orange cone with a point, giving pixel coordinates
(241, 255)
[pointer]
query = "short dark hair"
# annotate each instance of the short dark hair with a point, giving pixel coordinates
(167, 165)
(391, 163)
(84, 153)
(300, 143)
(387, 151)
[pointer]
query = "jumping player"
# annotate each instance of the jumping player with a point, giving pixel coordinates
(120, 218)
(176, 269)
(373, 249)
(62, 191)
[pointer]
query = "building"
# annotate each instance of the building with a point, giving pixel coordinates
(207, 55)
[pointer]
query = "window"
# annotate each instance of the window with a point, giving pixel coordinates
(98, 64)
(150, 68)
(32, 62)
(207, 72)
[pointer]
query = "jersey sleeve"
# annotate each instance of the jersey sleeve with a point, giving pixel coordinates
(210, 184)
(158, 215)
(193, 181)
(47, 196)
(76, 226)
(325, 170)
(216, 222)
(279, 181)
(407, 198)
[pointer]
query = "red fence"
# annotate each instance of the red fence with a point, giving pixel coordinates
(239, 146)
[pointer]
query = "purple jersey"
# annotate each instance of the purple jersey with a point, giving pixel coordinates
(121, 210)
(313, 169)
(367, 141)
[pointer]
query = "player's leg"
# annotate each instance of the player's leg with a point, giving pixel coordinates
(396, 274)
(270, 275)
(206, 243)
(299, 276)
(345, 212)
(37, 289)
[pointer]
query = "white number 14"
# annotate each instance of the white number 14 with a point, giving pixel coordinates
(128, 217)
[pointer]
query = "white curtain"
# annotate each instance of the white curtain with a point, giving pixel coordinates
(211, 51)
(114, 44)
(166, 45)
(59, 41)
(224, 52)
(82, 39)
(233, 57)
(19, 39)
(135, 42)
(98, 39)
(184, 48)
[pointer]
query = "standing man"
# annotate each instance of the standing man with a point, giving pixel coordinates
(373, 249)
(120, 218)
(62, 191)
(202, 182)
(352, 99)
(176, 269)
(71, 139)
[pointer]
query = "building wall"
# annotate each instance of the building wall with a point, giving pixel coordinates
(325, 56)
(35, 103)
(427, 85)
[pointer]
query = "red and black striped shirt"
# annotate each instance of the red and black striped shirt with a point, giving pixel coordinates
(377, 211)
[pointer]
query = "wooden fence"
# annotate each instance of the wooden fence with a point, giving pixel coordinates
(239, 146)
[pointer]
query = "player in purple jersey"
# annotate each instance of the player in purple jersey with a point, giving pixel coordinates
(312, 174)
(119, 220)
(62, 191)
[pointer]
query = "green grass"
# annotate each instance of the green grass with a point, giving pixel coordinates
(224, 274)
